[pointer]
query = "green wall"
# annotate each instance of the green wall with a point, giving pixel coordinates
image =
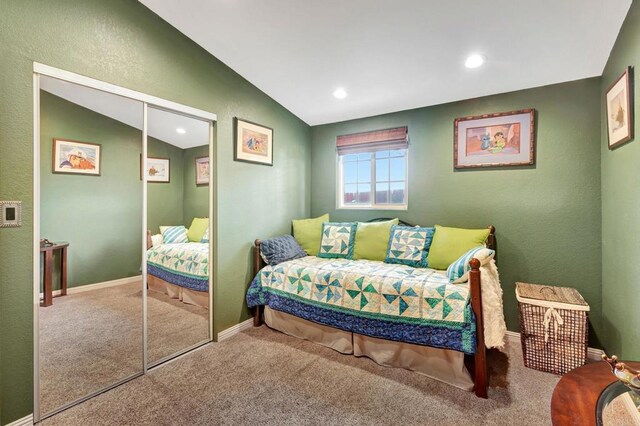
(165, 201)
(621, 208)
(99, 216)
(547, 216)
(122, 42)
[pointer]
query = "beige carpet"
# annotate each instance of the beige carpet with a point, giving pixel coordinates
(91, 340)
(262, 376)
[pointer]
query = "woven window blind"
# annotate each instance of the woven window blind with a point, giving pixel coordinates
(378, 140)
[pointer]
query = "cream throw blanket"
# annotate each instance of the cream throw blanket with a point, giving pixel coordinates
(492, 308)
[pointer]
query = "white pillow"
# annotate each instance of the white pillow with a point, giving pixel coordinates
(156, 240)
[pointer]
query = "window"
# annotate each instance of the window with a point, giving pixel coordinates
(373, 174)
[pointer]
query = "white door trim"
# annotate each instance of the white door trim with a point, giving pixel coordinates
(82, 80)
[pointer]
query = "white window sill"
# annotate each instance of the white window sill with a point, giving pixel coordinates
(378, 207)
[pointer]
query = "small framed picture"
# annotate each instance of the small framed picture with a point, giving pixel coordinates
(158, 169)
(76, 158)
(202, 171)
(494, 140)
(620, 109)
(253, 142)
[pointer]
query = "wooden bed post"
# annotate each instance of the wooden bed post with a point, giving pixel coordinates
(257, 265)
(491, 242)
(149, 240)
(480, 379)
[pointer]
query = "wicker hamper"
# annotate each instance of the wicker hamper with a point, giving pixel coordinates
(554, 327)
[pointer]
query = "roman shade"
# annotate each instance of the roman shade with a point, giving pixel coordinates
(377, 140)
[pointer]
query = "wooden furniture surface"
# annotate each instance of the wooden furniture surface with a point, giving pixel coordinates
(48, 271)
(575, 398)
(480, 372)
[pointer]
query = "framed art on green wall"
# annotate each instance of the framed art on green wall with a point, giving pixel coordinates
(493, 140)
(73, 157)
(202, 171)
(620, 109)
(253, 142)
(158, 169)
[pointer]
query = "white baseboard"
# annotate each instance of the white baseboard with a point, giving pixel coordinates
(593, 354)
(233, 330)
(97, 286)
(27, 420)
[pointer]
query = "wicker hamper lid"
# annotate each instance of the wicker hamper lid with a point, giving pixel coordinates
(551, 296)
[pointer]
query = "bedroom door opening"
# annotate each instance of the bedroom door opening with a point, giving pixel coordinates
(100, 197)
(178, 257)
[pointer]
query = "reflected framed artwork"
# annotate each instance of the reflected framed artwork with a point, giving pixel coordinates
(253, 142)
(158, 169)
(78, 158)
(494, 140)
(202, 171)
(620, 109)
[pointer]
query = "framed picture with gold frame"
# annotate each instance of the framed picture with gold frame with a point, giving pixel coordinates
(494, 140)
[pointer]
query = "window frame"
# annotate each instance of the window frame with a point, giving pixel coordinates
(372, 205)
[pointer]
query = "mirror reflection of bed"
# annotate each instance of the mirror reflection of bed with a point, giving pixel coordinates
(177, 258)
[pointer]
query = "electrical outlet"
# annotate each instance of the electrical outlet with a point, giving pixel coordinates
(11, 214)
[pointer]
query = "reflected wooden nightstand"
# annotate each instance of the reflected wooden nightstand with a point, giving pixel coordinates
(48, 271)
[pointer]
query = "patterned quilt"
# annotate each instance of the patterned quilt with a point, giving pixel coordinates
(394, 302)
(185, 264)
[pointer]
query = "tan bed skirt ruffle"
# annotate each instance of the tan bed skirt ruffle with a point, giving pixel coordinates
(440, 364)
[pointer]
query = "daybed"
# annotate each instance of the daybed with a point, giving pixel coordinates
(395, 314)
(180, 271)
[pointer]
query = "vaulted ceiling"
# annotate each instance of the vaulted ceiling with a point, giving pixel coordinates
(395, 55)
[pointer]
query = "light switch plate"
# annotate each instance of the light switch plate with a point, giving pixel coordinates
(11, 214)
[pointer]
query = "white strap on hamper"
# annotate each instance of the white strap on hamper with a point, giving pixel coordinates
(550, 315)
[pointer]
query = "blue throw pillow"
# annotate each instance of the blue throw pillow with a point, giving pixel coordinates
(458, 271)
(280, 249)
(338, 240)
(409, 245)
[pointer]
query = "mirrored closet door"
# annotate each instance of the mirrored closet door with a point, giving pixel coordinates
(91, 203)
(178, 173)
(124, 197)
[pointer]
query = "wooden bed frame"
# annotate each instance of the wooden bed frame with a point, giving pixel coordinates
(479, 364)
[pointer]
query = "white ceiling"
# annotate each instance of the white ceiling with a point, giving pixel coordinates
(162, 124)
(401, 54)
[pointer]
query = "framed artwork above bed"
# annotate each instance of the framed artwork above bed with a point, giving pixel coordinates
(494, 140)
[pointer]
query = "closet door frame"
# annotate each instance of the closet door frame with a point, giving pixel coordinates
(147, 101)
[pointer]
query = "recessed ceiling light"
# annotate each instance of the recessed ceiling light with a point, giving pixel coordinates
(181, 130)
(474, 61)
(340, 93)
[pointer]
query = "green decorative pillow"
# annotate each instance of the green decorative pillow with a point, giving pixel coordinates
(337, 240)
(372, 239)
(308, 233)
(451, 243)
(198, 227)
